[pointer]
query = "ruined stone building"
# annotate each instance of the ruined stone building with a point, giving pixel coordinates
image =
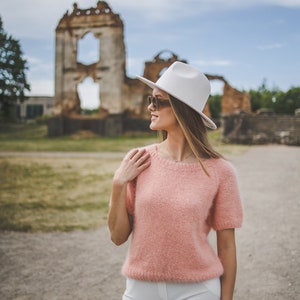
(119, 95)
(108, 71)
(122, 99)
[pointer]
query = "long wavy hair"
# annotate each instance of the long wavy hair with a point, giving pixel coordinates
(194, 131)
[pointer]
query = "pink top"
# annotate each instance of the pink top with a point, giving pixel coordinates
(174, 206)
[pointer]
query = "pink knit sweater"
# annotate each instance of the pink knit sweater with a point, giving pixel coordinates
(174, 206)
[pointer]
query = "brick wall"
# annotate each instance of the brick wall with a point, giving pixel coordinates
(261, 129)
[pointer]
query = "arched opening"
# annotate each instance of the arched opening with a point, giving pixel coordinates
(217, 87)
(89, 92)
(88, 49)
(162, 71)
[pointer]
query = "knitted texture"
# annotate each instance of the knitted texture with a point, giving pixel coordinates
(174, 206)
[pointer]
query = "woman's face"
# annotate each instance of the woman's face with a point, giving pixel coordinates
(162, 118)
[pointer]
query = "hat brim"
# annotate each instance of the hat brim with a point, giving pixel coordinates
(207, 121)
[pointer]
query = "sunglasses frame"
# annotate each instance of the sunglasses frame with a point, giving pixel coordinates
(157, 103)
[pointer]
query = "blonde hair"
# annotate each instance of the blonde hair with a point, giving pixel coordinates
(194, 131)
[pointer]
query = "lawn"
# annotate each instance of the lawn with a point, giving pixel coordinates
(47, 194)
(33, 137)
(40, 193)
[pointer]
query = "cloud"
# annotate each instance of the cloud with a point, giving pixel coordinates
(284, 3)
(38, 76)
(240, 4)
(38, 19)
(41, 87)
(38, 67)
(168, 23)
(270, 46)
(165, 10)
(32, 60)
(135, 65)
(217, 62)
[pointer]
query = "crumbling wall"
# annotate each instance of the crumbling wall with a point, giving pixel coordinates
(121, 98)
(261, 129)
(233, 100)
(109, 70)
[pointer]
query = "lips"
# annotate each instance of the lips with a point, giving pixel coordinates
(153, 117)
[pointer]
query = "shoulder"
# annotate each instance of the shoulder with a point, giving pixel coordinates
(150, 148)
(224, 164)
(223, 168)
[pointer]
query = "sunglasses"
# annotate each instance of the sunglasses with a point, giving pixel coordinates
(157, 103)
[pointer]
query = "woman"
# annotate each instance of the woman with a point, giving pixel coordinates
(168, 196)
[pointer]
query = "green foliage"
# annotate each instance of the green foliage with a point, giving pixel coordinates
(90, 112)
(33, 137)
(280, 102)
(12, 73)
(215, 106)
(287, 103)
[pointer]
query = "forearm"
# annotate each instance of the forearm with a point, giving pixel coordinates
(228, 260)
(118, 220)
(227, 255)
(119, 223)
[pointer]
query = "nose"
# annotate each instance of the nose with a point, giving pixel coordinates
(150, 107)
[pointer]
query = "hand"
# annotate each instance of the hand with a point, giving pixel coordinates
(135, 162)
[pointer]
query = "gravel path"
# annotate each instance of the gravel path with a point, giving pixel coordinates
(85, 265)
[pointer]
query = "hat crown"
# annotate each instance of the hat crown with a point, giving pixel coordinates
(186, 83)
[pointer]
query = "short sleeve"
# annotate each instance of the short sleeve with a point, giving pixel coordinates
(227, 209)
(130, 196)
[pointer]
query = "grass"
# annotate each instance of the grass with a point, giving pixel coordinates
(62, 194)
(33, 137)
(38, 194)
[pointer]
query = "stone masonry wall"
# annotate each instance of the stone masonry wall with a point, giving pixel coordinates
(261, 129)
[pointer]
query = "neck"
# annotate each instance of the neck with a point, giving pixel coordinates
(177, 148)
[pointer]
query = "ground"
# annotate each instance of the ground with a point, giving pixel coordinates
(85, 265)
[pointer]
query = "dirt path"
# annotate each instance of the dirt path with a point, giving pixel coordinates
(86, 266)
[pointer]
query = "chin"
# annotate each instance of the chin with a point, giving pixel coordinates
(154, 127)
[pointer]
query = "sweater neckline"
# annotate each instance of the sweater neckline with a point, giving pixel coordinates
(176, 164)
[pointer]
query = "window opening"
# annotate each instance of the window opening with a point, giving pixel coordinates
(88, 49)
(89, 94)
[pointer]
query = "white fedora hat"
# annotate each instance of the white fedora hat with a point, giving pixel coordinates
(187, 84)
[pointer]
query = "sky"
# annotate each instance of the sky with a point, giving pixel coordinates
(248, 42)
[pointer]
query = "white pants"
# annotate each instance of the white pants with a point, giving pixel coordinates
(145, 290)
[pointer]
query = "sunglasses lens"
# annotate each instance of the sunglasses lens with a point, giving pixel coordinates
(155, 103)
(153, 100)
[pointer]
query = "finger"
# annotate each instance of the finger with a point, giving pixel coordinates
(138, 154)
(143, 159)
(144, 166)
(132, 153)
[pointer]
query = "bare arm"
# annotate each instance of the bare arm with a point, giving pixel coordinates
(119, 222)
(227, 254)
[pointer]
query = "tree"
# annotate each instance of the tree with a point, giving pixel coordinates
(12, 73)
(215, 106)
(287, 103)
(263, 97)
(280, 102)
